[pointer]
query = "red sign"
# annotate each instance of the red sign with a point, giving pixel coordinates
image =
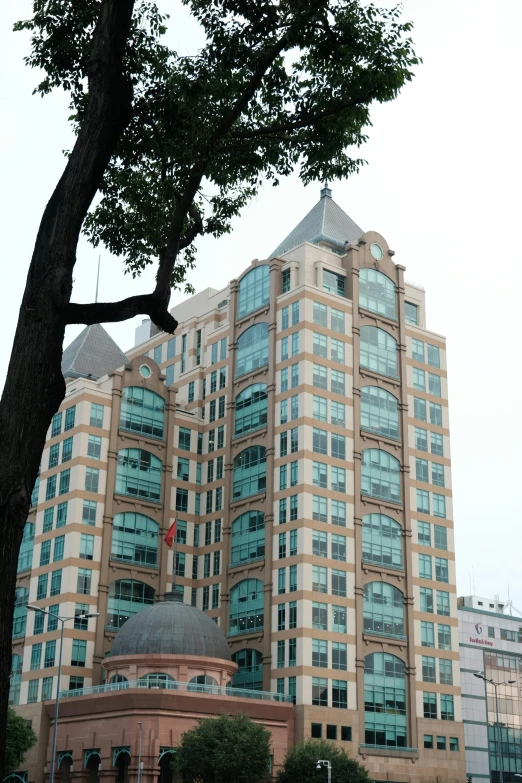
(481, 641)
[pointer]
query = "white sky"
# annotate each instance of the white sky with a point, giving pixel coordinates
(444, 164)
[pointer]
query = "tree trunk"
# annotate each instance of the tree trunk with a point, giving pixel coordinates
(34, 386)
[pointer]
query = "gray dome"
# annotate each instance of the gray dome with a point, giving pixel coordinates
(171, 628)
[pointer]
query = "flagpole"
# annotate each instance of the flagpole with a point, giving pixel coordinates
(174, 563)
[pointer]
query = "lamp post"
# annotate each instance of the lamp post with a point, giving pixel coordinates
(328, 765)
(63, 620)
(495, 685)
(140, 724)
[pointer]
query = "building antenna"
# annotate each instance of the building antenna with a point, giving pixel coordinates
(473, 572)
(470, 590)
(97, 279)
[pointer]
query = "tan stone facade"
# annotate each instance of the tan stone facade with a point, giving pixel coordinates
(310, 628)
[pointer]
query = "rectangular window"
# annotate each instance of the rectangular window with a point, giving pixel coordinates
(319, 692)
(419, 409)
(319, 544)
(212, 411)
(293, 508)
(320, 314)
(338, 547)
(340, 694)
(319, 579)
(194, 566)
(281, 654)
(56, 582)
(294, 440)
(292, 652)
(316, 730)
(320, 474)
(337, 410)
(319, 408)
(424, 533)
(419, 379)
(437, 474)
(338, 582)
(282, 511)
(333, 282)
(54, 453)
(295, 313)
(411, 315)
(191, 391)
(295, 376)
(48, 519)
(441, 569)
(340, 656)
(92, 478)
(338, 513)
(423, 501)
(417, 350)
(429, 673)
(319, 616)
(61, 514)
(182, 500)
(219, 499)
(45, 553)
(337, 320)
(294, 407)
(50, 490)
(320, 441)
(447, 710)
(338, 444)
(93, 447)
(337, 382)
(206, 566)
(36, 656)
(56, 424)
(84, 581)
(284, 349)
(421, 439)
(222, 377)
(437, 444)
(320, 376)
(295, 343)
(421, 470)
(436, 414)
(433, 355)
(283, 443)
(41, 590)
(281, 617)
(443, 603)
(293, 578)
(338, 479)
(70, 415)
(440, 535)
(32, 693)
(215, 596)
(294, 473)
(183, 471)
(79, 652)
(320, 653)
(184, 439)
(282, 476)
(441, 743)
(320, 345)
(282, 545)
(444, 637)
(426, 599)
(445, 671)
(283, 412)
(284, 379)
(281, 581)
(65, 481)
(47, 688)
(339, 619)
(206, 598)
(213, 382)
(86, 546)
(50, 654)
(223, 349)
(430, 705)
(293, 543)
(427, 634)
(319, 508)
(439, 506)
(52, 618)
(292, 614)
(337, 350)
(89, 512)
(285, 281)
(434, 384)
(79, 623)
(169, 373)
(157, 353)
(425, 567)
(180, 563)
(454, 743)
(284, 318)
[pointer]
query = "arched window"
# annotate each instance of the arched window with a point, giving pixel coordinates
(250, 672)
(379, 351)
(383, 610)
(117, 679)
(246, 607)
(250, 472)
(252, 349)
(251, 409)
(157, 680)
(25, 553)
(135, 539)
(20, 611)
(15, 681)
(138, 473)
(384, 701)
(142, 411)
(203, 679)
(248, 538)
(379, 411)
(381, 540)
(377, 293)
(381, 475)
(126, 598)
(254, 290)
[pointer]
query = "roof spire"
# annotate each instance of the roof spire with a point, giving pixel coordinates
(326, 192)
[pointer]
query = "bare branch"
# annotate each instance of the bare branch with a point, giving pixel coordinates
(112, 312)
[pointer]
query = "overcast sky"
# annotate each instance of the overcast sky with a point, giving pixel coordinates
(442, 186)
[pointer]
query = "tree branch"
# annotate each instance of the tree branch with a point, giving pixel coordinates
(112, 312)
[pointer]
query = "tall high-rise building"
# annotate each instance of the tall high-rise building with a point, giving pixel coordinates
(296, 426)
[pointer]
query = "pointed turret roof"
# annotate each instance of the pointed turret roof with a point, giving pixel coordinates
(326, 222)
(92, 354)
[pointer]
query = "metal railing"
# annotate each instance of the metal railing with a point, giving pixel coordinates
(390, 747)
(174, 685)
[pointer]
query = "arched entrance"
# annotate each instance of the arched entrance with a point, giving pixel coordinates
(165, 761)
(91, 762)
(121, 759)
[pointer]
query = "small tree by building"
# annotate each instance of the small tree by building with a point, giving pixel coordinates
(228, 749)
(300, 764)
(19, 739)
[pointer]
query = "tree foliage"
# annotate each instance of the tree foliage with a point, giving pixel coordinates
(277, 87)
(300, 764)
(20, 738)
(224, 749)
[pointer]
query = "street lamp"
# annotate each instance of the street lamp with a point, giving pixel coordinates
(328, 765)
(481, 676)
(63, 620)
(140, 724)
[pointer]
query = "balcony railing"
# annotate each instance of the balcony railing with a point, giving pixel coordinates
(174, 685)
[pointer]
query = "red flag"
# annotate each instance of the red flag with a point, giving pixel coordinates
(169, 538)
